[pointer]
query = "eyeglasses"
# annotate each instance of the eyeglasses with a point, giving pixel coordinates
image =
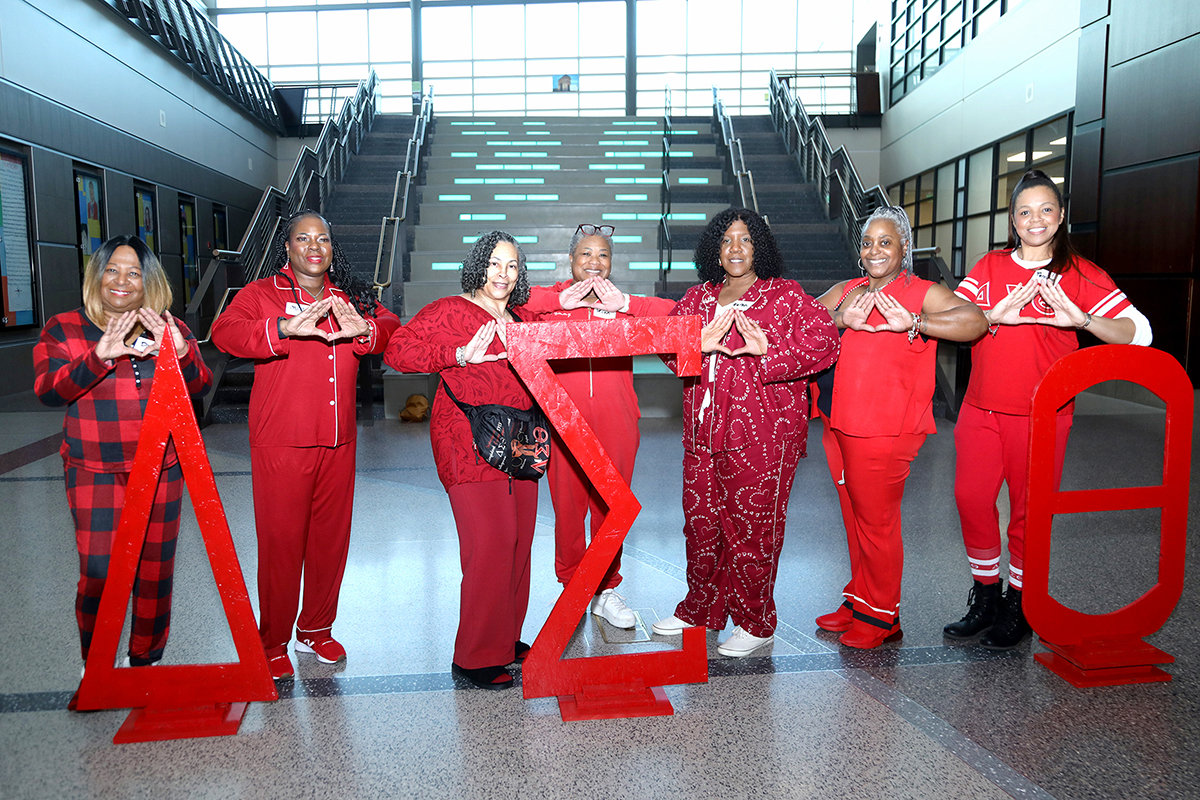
(592, 230)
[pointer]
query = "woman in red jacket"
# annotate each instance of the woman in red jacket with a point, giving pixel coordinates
(462, 338)
(745, 426)
(881, 412)
(306, 326)
(602, 389)
(1036, 293)
(97, 361)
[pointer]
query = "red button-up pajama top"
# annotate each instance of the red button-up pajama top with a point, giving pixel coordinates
(602, 389)
(495, 515)
(882, 410)
(745, 428)
(302, 442)
(105, 403)
(991, 435)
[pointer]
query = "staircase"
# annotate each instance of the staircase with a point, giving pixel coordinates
(814, 250)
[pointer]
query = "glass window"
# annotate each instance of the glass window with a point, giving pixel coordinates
(143, 209)
(925, 204)
(342, 36)
(979, 184)
(16, 252)
(291, 36)
(442, 31)
(389, 36)
(248, 33)
(220, 228)
(715, 26)
(978, 238)
(1000, 228)
(945, 193)
(554, 29)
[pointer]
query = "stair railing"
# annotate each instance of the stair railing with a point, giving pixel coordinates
(309, 186)
(395, 226)
(735, 159)
(664, 228)
(848, 203)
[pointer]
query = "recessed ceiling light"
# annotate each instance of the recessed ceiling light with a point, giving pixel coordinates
(1059, 142)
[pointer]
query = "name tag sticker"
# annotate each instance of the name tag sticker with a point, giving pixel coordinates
(600, 313)
(292, 309)
(740, 305)
(142, 344)
(1044, 275)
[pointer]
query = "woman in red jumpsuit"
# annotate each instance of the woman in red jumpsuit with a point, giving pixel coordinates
(602, 388)
(745, 426)
(306, 326)
(1036, 293)
(98, 362)
(462, 338)
(882, 410)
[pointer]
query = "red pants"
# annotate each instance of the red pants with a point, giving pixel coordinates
(574, 496)
(303, 501)
(874, 470)
(993, 448)
(735, 510)
(495, 534)
(96, 500)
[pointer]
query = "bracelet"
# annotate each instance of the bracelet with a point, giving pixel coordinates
(916, 327)
(460, 355)
(1087, 320)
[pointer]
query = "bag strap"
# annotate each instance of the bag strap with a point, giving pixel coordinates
(464, 407)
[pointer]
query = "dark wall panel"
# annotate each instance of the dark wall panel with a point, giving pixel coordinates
(1166, 303)
(58, 276)
(54, 197)
(1085, 175)
(1140, 26)
(1148, 218)
(1093, 60)
(1153, 106)
(119, 206)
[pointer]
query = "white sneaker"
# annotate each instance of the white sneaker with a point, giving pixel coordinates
(610, 606)
(671, 626)
(740, 643)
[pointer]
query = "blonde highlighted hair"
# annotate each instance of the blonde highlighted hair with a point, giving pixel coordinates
(156, 289)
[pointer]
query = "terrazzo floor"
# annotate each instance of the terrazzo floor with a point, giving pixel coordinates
(919, 718)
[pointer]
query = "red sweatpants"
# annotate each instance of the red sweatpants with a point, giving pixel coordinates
(495, 534)
(303, 501)
(96, 500)
(993, 448)
(735, 512)
(875, 469)
(574, 496)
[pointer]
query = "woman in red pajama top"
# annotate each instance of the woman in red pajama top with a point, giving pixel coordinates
(306, 327)
(1036, 293)
(881, 412)
(602, 389)
(462, 338)
(98, 362)
(745, 426)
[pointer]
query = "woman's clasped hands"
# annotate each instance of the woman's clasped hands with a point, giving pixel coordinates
(112, 343)
(712, 334)
(897, 318)
(476, 350)
(1008, 311)
(307, 324)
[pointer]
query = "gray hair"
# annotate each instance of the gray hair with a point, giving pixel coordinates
(580, 236)
(898, 218)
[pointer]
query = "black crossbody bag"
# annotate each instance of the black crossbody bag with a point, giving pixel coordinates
(513, 440)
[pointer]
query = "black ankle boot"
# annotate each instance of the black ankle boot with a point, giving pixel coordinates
(1010, 628)
(982, 606)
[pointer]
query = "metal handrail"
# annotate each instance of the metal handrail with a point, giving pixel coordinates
(664, 228)
(413, 153)
(734, 157)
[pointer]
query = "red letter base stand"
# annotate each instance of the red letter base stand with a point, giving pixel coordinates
(1108, 649)
(184, 701)
(602, 687)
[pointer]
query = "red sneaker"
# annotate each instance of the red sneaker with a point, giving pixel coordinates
(865, 636)
(837, 621)
(326, 648)
(279, 663)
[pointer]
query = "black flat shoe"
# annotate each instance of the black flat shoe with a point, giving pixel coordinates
(520, 650)
(489, 678)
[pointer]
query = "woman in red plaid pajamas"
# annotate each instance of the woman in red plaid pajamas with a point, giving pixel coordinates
(98, 362)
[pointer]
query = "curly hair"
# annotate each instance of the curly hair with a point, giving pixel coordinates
(897, 217)
(156, 287)
(768, 263)
(361, 295)
(475, 265)
(1064, 256)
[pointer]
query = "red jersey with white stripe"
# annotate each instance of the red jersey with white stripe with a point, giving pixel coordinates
(1007, 366)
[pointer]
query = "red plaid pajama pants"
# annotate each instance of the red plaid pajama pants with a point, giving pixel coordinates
(96, 499)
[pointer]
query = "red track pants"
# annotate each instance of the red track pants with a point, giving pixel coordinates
(96, 500)
(495, 534)
(735, 512)
(993, 448)
(875, 469)
(303, 501)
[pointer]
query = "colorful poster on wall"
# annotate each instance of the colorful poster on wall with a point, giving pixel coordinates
(16, 265)
(88, 197)
(144, 208)
(220, 228)
(191, 253)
